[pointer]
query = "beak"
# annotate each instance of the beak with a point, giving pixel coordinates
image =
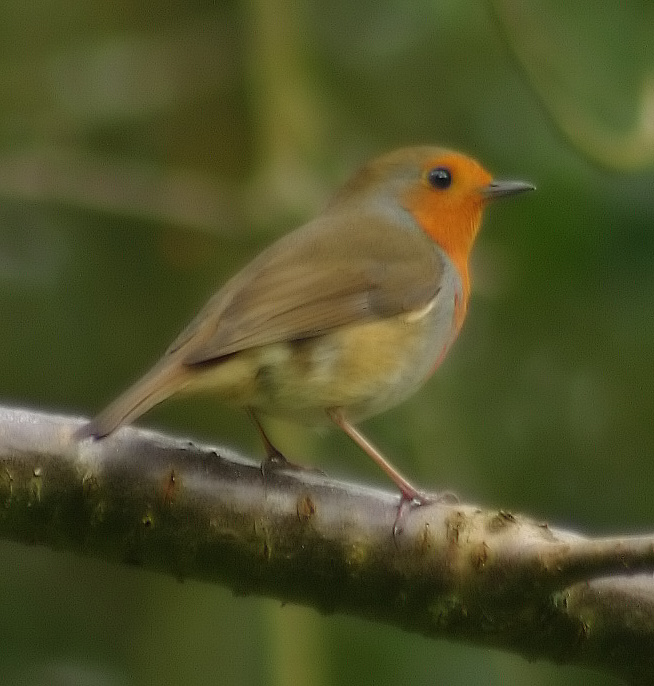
(500, 189)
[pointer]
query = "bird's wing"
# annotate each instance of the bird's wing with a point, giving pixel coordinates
(313, 280)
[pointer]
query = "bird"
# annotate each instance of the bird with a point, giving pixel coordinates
(342, 318)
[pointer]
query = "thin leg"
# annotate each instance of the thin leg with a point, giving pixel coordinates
(273, 456)
(409, 493)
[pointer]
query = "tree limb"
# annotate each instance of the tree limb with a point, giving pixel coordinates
(452, 570)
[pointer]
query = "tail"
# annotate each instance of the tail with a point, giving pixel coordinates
(159, 383)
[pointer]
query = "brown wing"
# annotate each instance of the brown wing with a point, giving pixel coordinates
(317, 278)
(331, 272)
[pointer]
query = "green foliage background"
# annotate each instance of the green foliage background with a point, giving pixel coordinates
(148, 149)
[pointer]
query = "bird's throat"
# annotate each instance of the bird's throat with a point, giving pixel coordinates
(454, 232)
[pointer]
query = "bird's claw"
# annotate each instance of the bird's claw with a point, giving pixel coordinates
(408, 501)
(275, 460)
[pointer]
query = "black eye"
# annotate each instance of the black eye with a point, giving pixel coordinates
(440, 178)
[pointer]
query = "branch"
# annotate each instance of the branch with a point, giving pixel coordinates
(452, 571)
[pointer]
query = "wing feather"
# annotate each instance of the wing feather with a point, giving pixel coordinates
(312, 281)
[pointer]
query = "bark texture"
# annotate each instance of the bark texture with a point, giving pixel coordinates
(454, 571)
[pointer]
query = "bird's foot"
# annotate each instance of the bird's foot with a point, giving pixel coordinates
(276, 460)
(413, 499)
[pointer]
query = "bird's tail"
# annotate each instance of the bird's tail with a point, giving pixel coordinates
(158, 384)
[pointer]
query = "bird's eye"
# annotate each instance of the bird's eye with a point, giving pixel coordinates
(440, 178)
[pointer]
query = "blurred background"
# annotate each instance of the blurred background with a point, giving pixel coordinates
(150, 148)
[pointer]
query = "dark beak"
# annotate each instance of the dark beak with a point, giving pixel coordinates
(500, 189)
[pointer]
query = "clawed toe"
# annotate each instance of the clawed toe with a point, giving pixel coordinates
(415, 499)
(275, 460)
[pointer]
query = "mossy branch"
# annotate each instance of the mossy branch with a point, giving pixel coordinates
(452, 571)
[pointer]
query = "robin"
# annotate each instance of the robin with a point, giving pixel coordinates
(344, 317)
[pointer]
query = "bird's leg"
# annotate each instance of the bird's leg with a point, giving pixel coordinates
(411, 497)
(409, 493)
(274, 458)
